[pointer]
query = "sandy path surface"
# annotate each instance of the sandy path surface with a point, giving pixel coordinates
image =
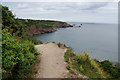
(52, 63)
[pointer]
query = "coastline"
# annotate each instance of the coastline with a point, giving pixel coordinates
(19, 54)
(33, 31)
(52, 55)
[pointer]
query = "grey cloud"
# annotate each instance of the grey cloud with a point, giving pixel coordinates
(67, 11)
(92, 5)
(49, 6)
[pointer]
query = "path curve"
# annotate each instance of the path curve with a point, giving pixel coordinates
(52, 64)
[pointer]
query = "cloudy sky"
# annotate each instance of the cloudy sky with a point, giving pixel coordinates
(100, 12)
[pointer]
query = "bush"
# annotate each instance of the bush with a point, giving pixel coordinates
(81, 68)
(32, 39)
(68, 67)
(83, 64)
(17, 56)
(18, 52)
(81, 59)
(68, 54)
(111, 69)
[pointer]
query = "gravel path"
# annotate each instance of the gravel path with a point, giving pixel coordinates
(52, 64)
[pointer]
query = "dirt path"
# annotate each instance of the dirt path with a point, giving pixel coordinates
(52, 63)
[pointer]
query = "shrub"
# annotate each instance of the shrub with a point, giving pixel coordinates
(83, 64)
(68, 54)
(68, 67)
(81, 68)
(81, 59)
(17, 56)
(111, 69)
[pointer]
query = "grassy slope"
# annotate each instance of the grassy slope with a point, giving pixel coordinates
(41, 26)
(19, 54)
(84, 65)
(42, 23)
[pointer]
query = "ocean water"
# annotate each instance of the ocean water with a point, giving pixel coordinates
(100, 40)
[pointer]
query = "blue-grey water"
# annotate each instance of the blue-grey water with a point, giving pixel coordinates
(100, 40)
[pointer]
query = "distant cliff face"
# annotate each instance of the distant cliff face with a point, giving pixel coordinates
(42, 26)
(64, 25)
(32, 31)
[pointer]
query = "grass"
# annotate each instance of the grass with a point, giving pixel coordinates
(68, 67)
(84, 65)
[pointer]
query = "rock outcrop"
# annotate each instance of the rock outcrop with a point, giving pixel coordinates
(32, 31)
(64, 25)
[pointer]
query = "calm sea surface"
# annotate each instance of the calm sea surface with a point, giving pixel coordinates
(100, 40)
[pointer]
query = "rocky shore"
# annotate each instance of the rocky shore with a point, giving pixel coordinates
(32, 31)
(64, 26)
(42, 26)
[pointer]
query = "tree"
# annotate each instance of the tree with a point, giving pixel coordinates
(7, 16)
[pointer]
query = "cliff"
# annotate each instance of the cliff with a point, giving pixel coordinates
(42, 26)
(32, 31)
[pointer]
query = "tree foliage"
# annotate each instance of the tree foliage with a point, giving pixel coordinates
(41, 23)
(18, 51)
(110, 68)
(7, 17)
(17, 56)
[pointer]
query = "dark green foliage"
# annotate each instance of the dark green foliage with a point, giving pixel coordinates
(68, 67)
(7, 16)
(111, 69)
(17, 56)
(10, 23)
(18, 52)
(16, 28)
(32, 39)
(41, 23)
(0, 16)
(68, 54)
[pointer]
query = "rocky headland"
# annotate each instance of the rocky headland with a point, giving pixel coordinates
(34, 30)
(42, 26)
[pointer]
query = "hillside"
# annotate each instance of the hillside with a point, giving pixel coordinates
(18, 52)
(19, 55)
(42, 26)
(92, 68)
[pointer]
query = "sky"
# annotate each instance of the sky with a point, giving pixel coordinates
(95, 12)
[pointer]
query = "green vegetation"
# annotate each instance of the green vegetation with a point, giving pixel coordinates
(18, 56)
(90, 67)
(41, 23)
(113, 70)
(18, 52)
